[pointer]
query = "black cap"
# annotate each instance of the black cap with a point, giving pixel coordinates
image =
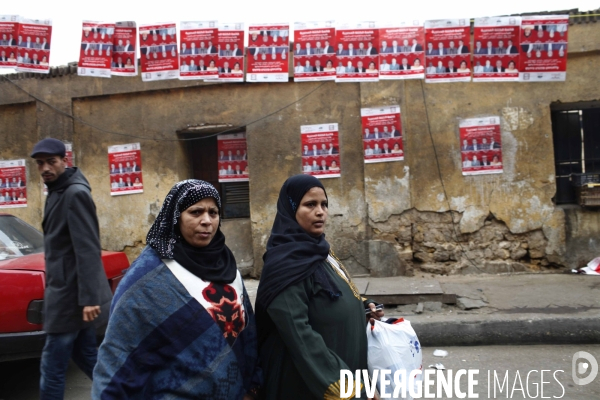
(49, 146)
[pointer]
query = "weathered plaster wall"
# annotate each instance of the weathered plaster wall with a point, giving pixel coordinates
(520, 198)
(17, 137)
(385, 219)
(273, 154)
(272, 151)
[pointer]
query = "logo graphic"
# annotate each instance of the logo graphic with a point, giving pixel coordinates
(580, 367)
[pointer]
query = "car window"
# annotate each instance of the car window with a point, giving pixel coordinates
(18, 238)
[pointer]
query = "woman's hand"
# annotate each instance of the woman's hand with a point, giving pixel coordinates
(374, 314)
(375, 397)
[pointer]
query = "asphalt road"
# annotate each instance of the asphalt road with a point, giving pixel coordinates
(19, 379)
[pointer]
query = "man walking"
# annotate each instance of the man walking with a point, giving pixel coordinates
(76, 285)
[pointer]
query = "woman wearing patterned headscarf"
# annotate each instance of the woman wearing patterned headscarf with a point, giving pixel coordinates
(310, 316)
(181, 323)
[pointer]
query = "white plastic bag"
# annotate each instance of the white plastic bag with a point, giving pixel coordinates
(395, 347)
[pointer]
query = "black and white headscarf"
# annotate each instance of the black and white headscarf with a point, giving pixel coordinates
(214, 262)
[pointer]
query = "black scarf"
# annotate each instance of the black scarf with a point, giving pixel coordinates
(292, 254)
(214, 262)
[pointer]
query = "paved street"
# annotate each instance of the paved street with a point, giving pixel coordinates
(19, 379)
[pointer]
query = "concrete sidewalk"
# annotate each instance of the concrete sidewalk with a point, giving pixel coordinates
(514, 309)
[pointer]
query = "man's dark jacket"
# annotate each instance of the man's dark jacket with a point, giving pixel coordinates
(74, 273)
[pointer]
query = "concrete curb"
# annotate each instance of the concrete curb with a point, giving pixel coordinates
(553, 330)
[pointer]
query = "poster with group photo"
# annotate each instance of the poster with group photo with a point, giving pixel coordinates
(268, 46)
(481, 146)
(233, 159)
(447, 55)
(124, 59)
(544, 48)
(496, 51)
(357, 52)
(382, 134)
(231, 52)
(33, 42)
(314, 51)
(158, 52)
(199, 54)
(125, 169)
(95, 57)
(13, 184)
(320, 150)
(9, 27)
(402, 51)
(70, 162)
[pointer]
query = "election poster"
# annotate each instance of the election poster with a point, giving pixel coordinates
(95, 57)
(267, 51)
(124, 59)
(158, 52)
(496, 51)
(382, 134)
(231, 52)
(13, 184)
(320, 150)
(125, 168)
(357, 52)
(198, 55)
(233, 159)
(314, 51)
(447, 55)
(9, 27)
(481, 146)
(544, 48)
(70, 162)
(33, 42)
(401, 51)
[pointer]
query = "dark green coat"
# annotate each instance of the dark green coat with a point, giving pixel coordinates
(315, 338)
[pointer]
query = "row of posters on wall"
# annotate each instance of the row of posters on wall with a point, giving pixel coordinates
(526, 49)
(481, 153)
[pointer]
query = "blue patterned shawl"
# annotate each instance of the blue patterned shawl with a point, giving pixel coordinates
(161, 343)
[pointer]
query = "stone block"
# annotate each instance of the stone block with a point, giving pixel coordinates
(534, 253)
(384, 260)
(473, 219)
(518, 253)
(464, 303)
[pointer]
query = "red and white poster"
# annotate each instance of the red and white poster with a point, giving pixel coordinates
(233, 159)
(402, 51)
(447, 54)
(321, 150)
(33, 42)
(357, 52)
(158, 48)
(9, 27)
(268, 47)
(480, 146)
(231, 52)
(13, 184)
(496, 51)
(95, 53)
(544, 48)
(199, 54)
(125, 168)
(124, 59)
(382, 134)
(70, 162)
(314, 51)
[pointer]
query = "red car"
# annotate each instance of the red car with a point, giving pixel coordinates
(22, 282)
